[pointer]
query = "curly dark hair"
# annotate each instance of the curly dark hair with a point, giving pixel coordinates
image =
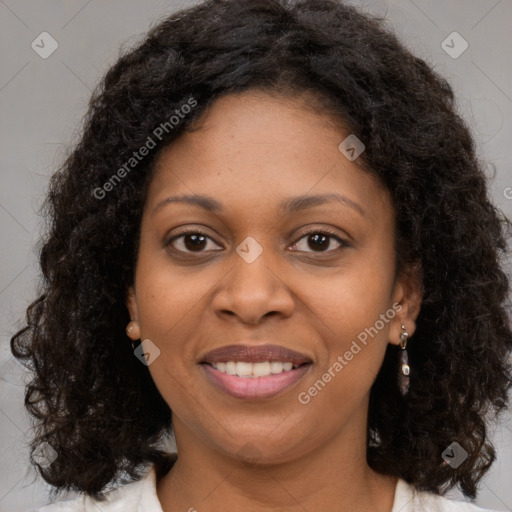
(91, 399)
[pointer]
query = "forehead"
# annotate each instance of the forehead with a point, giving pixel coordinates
(258, 148)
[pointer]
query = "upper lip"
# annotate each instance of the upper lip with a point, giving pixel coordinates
(254, 354)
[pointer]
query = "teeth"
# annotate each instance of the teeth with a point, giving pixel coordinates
(245, 369)
(276, 367)
(287, 366)
(261, 369)
(230, 367)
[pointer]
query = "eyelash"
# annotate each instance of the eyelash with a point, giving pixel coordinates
(324, 231)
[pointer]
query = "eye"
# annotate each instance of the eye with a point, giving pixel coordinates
(319, 241)
(191, 241)
(196, 241)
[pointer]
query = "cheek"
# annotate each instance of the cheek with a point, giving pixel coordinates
(353, 313)
(167, 307)
(168, 316)
(353, 299)
(167, 296)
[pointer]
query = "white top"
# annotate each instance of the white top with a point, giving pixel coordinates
(140, 496)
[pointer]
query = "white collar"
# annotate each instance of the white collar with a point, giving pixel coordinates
(141, 496)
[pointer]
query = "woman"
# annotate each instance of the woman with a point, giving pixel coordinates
(273, 241)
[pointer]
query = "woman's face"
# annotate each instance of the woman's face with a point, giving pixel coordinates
(289, 244)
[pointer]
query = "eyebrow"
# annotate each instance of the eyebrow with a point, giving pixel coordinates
(287, 206)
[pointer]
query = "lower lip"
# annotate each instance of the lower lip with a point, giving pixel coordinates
(254, 387)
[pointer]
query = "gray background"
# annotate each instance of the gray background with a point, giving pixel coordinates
(43, 101)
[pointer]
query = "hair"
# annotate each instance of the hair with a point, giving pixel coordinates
(97, 406)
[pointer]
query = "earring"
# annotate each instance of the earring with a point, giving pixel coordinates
(129, 329)
(403, 360)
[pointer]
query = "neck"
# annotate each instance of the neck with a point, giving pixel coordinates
(333, 477)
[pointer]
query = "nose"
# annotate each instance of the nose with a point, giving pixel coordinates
(251, 291)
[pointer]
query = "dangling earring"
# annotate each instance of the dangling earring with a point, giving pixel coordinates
(403, 360)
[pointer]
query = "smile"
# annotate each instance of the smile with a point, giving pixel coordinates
(248, 369)
(254, 380)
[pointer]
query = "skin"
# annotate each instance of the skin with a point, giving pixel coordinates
(252, 151)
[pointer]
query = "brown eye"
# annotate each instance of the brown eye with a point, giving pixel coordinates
(190, 241)
(319, 241)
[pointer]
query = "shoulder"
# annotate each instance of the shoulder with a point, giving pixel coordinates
(133, 497)
(409, 499)
(442, 504)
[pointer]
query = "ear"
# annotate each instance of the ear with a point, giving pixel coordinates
(133, 329)
(408, 292)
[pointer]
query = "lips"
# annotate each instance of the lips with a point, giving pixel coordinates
(254, 372)
(254, 354)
